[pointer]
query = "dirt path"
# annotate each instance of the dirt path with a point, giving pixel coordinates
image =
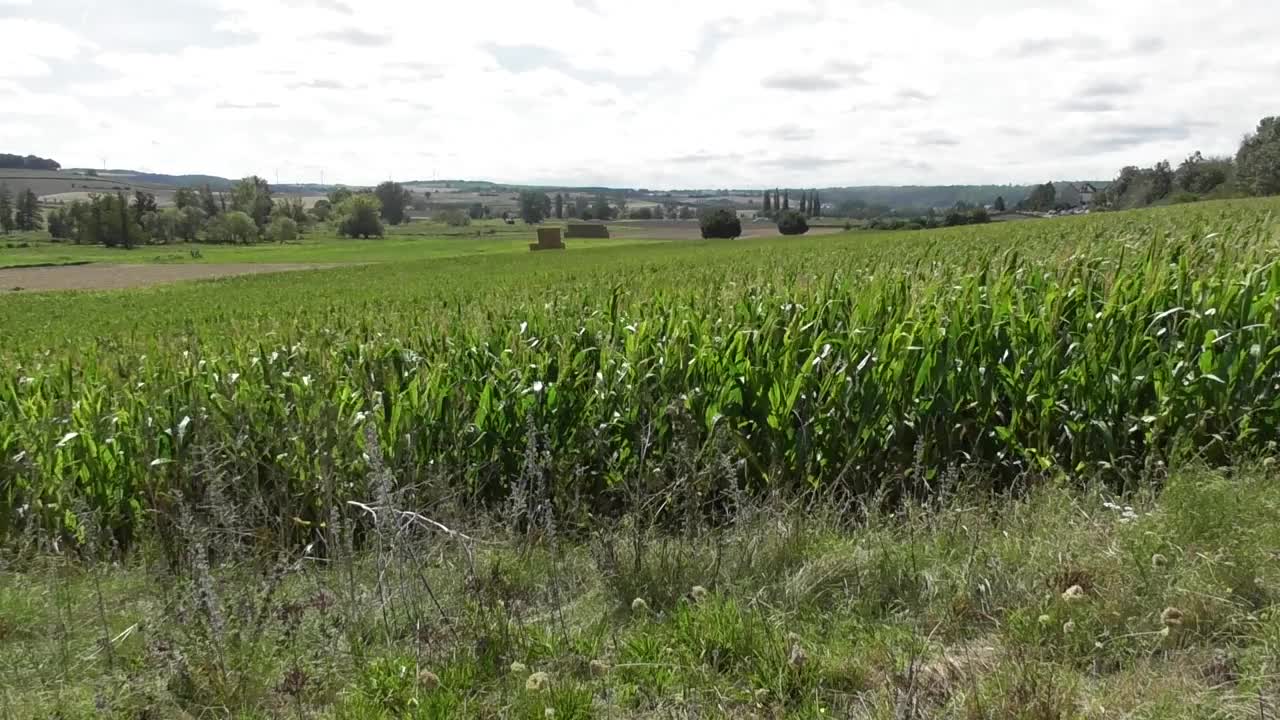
(118, 277)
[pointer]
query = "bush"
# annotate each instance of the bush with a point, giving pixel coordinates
(792, 223)
(721, 224)
(283, 229)
(233, 228)
(358, 216)
(453, 217)
(1183, 198)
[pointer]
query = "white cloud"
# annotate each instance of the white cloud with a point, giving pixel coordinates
(657, 94)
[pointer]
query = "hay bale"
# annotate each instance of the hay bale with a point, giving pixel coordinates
(548, 239)
(588, 230)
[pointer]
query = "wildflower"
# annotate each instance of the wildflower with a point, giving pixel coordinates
(1074, 594)
(698, 594)
(519, 668)
(538, 682)
(639, 606)
(1045, 619)
(762, 696)
(428, 680)
(1171, 617)
(549, 713)
(599, 668)
(1159, 561)
(798, 657)
(1068, 627)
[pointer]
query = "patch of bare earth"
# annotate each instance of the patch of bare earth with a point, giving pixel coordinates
(119, 277)
(680, 230)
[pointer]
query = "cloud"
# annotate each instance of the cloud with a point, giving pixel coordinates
(1075, 44)
(717, 93)
(937, 138)
(806, 162)
(227, 105)
(320, 84)
(1147, 45)
(789, 133)
(1109, 88)
(1124, 136)
(833, 76)
(356, 37)
(1087, 106)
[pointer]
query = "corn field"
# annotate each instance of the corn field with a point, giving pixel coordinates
(1095, 346)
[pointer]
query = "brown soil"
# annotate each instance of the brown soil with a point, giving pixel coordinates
(116, 277)
(681, 230)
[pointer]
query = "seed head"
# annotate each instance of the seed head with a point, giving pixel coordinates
(1074, 594)
(1171, 617)
(698, 594)
(1068, 627)
(519, 668)
(639, 606)
(428, 680)
(1045, 619)
(1159, 561)
(538, 682)
(549, 713)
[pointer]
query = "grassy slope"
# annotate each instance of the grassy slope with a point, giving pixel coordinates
(418, 241)
(964, 611)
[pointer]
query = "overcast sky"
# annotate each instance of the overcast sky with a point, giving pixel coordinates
(664, 93)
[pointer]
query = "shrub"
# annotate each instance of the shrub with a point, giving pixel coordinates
(233, 228)
(792, 223)
(453, 217)
(358, 216)
(282, 230)
(1183, 198)
(721, 223)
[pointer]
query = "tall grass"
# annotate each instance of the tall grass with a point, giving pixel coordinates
(1098, 346)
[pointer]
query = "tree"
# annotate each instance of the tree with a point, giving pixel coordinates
(233, 228)
(453, 217)
(185, 198)
(26, 214)
(792, 223)
(1042, 198)
(394, 199)
(601, 210)
(360, 216)
(768, 203)
(30, 162)
(252, 196)
(340, 195)
(163, 226)
(721, 223)
(189, 224)
(477, 211)
(815, 206)
(1198, 174)
(144, 203)
(6, 210)
(559, 206)
(209, 203)
(61, 223)
(322, 210)
(532, 206)
(786, 200)
(282, 229)
(1258, 161)
(1161, 182)
(999, 205)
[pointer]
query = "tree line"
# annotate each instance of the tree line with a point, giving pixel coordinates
(1253, 171)
(27, 162)
(777, 202)
(250, 212)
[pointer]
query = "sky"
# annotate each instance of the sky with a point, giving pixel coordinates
(659, 94)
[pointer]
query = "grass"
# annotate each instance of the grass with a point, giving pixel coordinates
(964, 611)
(1021, 470)
(408, 243)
